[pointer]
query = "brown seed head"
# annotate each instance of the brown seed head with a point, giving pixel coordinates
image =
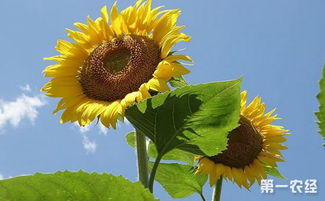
(119, 67)
(244, 145)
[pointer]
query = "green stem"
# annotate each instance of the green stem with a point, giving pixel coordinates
(142, 158)
(202, 196)
(153, 173)
(217, 191)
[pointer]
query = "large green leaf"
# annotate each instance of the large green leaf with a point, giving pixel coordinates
(175, 154)
(68, 186)
(193, 118)
(179, 180)
(321, 98)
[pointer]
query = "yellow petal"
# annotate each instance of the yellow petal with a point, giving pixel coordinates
(115, 21)
(173, 58)
(82, 27)
(170, 42)
(67, 102)
(137, 4)
(104, 13)
(214, 176)
(163, 71)
(129, 99)
(69, 49)
(110, 115)
(228, 173)
(78, 37)
(165, 24)
(238, 176)
(143, 92)
(158, 85)
(205, 166)
(91, 110)
(179, 69)
(58, 70)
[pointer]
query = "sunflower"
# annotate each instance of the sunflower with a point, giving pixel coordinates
(114, 61)
(252, 146)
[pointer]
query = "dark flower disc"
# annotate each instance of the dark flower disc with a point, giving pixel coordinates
(119, 67)
(244, 145)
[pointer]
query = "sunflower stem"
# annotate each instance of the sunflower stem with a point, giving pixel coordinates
(142, 158)
(217, 190)
(153, 172)
(202, 197)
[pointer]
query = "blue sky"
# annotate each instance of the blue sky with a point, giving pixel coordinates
(277, 46)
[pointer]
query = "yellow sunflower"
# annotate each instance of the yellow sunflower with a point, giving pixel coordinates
(114, 61)
(252, 146)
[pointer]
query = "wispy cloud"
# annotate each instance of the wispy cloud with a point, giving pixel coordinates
(102, 129)
(26, 88)
(89, 145)
(1, 177)
(83, 129)
(93, 125)
(24, 107)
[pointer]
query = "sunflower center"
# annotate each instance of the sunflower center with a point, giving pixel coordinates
(119, 67)
(244, 145)
(117, 60)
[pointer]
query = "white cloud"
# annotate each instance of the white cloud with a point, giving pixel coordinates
(24, 107)
(1, 177)
(89, 145)
(26, 88)
(102, 129)
(83, 129)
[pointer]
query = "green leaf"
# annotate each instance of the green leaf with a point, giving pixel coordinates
(178, 82)
(179, 180)
(175, 154)
(194, 118)
(78, 186)
(321, 113)
(130, 139)
(273, 172)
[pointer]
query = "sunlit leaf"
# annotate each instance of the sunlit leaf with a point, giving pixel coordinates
(175, 154)
(78, 186)
(179, 180)
(193, 118)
